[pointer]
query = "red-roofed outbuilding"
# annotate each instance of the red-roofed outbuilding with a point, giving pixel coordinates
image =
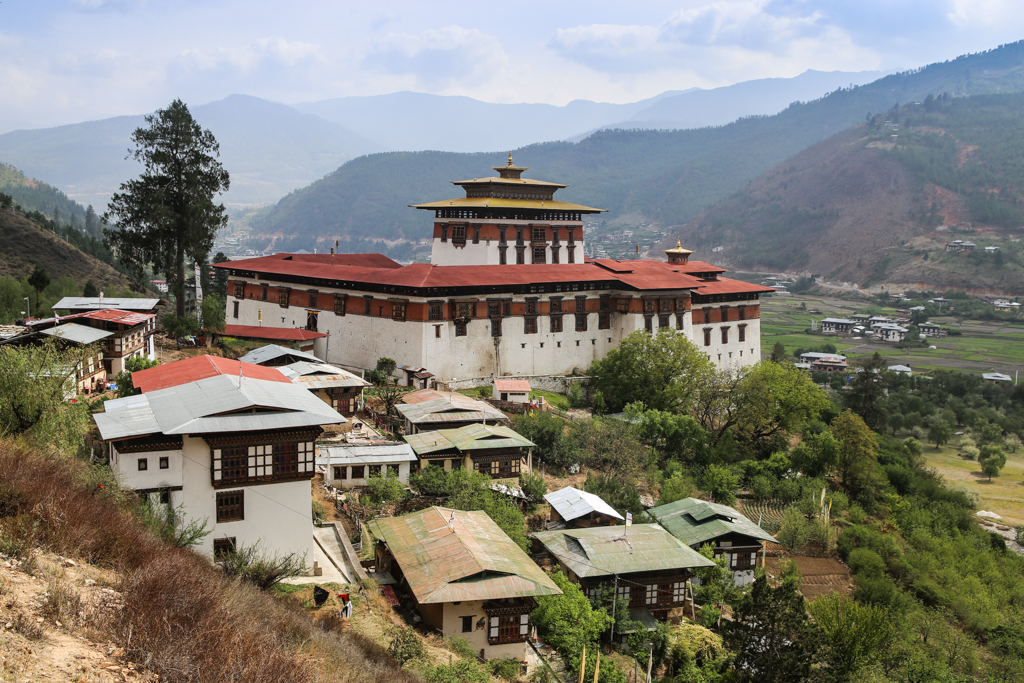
(200, 367)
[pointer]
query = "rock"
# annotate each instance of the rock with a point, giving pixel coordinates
(89, 582)
(70, 563)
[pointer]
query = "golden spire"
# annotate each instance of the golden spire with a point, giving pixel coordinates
(678, 254)
(510, 158)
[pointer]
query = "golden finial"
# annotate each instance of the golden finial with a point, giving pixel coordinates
(510, 158)
(679, 244)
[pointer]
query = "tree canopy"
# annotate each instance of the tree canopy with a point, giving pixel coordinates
(168, 214)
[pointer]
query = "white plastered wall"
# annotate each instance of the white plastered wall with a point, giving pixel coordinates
(452, 626)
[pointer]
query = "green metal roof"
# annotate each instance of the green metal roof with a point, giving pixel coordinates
(450, 555)
(465, 439)
(606, 550)
(696, 521)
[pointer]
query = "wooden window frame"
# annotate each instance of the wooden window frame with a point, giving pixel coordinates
(239, 290)
(495, 327)
(461, 328)
(556, 323)
(359, 471)
(313, 296)
(165, 462)
(742, 332)
(234, 309)
(581, 322)
(530, 325)
(539, 251)
(143, 464)
(604, 320)
(230, 506)
(367, 305)
(467, 623)
(223, 547)
(398, 310)
(725, 334)
(435, 310)
(340, 301)
(707, 336)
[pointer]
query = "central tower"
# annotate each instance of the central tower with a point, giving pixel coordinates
(507, 220)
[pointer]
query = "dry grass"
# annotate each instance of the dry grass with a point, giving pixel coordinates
(180, 618)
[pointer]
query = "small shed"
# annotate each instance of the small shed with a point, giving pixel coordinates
(511, 390)
(579, 509)
(349, 465)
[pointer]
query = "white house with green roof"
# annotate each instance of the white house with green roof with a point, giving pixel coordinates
(495, 450)
(697, 522)
(465, 576)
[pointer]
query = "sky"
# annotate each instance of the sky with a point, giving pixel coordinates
(66, 61)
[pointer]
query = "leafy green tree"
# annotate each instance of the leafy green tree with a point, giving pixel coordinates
(773, 399)
(895, 422)
(720, 482)
(778, 353)
(39, 281)
(717, 584)
(939, 432)
(568, 621)
(167, 215)
(125, 387)
(92, 222)
(179, 326)
(772, 637)
(676, 436)
(992, 460)
(213, 313)
(90, 289)
(856, 634)
(383, 489)
(866, 391)
(663, 370)
(816, 454)
(533, 487)
(858, 450)
(549, 433)
(219, 284)
(794, 531)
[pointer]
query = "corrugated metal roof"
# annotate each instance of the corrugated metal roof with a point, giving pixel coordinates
(472, 559)
(273, 351)
(445, 410)
(696, 521)
(200, 367)
(606, 550)
(321, 376)
(268, 332)
(95, 303)
(466, 439)
(365, 455)
(572, 503)
(118, 316)
(218, 405)
(512, 385)
(80, 334)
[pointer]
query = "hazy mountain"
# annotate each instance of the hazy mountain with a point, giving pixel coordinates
(666, 177)
(268, 148)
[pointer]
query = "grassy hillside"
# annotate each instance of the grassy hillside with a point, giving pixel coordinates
(666, 177)
(875, 205)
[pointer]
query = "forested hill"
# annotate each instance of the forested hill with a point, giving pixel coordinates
(666, 177)
(877, 203)
(33, 195)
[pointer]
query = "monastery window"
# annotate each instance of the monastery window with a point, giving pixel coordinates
(239, 290)
(531, 306)
(666, 305)
(539, 235)
(707, 336)
(519, 234)
(741, 312)
(742, 330)
(502, 258)
(554, 253)
(725, 314)
(554, 234)
(234, 309)
(230, 506)
(312, 298)
(622, 305)
(539, 254)
(311, 320)
(556, 304)
(358, 471)
(476, 234)
(707, 315)
(222, 547)
(604, 321)
(143, 464)
(502, 230)
(459, 235)
(663, 321)
(679, 321)
(571, 254)
(437, 331)
(649, 323)
(556, 324)
(283, 295)
(581, 304)
(605, 302)
(495, 327)
(725, 335)
(434, 311)
(649, 305)
(464, 309)
(398, 310)
(444, 232)
(581, 322)
(165, 462)
(264, 292)
(339, 304)
(572, 235)
(520, 256)
(530, 326)
(368, 305)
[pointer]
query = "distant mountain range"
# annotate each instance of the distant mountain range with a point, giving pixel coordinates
(271, 149)
(663, 177)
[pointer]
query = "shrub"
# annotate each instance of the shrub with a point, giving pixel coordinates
(459, 671)
(461, 647)
(61, 602)
(405, 644)
(856, 515)
(507, 669)
(533, 486)
(762, 487)
(262, 570)
(575, 395)
(384, 489)
(794, 531)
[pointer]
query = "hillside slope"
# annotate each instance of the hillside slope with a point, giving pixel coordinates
(876, 205)
(665, 177)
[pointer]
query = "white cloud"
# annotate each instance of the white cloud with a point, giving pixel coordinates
(965, 13)
(439, 58)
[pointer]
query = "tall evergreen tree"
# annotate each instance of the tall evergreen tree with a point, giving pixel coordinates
(167, 215)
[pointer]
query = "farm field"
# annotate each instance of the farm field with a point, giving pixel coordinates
(1004, 495)
(984, 346)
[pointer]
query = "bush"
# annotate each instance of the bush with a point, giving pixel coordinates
(461, 647)
(384, 489)
(794, 531)
(534, 487)
(575, 395)
(507, 669)
(261, 570)
(762, 487)
(405, 644)
(459, 671)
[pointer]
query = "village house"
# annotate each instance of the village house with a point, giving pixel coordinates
(647, 566)
(573, 508)
(991, 250)
(824, 362)
(900, 369)
(89, 374)
(836, 326)
(733, 536)
(511, 390)
(495, 450)
(349, 465)
(889, 332)
(229, 444)
(996, 377)
(960, 246)
(309, 341)
(931, 330)
(467, 579)
(507, 292)
(428, 410)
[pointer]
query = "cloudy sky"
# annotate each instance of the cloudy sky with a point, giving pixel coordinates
(63, 61)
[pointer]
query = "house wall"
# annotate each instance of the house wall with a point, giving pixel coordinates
(127, 464)
(452, 626)
(349, 482)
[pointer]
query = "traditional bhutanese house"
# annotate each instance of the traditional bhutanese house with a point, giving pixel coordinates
(571, 507)
(696, 522)
(889, 332)
(346, 466)
(131, 335)
(931, 330)
(837, 326)
(824, 362)
(274, 355)
(80, 304)
(234, 448)
(652, 566)
(995, 377)
(511, 390)
(466, 577)
(446, 411)
(89, 373)
(338, 388)
(492, 449)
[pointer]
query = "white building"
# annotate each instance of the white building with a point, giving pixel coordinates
(837, 326)
(228, 449)
(349, 465)
(889, 332)
(511, 390)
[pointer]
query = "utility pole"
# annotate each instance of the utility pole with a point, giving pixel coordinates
(615, 595)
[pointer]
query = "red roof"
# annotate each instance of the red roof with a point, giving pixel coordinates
(117, 316)
(200, 367)
(724, 285)
(275, 333)
(515, 386)
(359, 260)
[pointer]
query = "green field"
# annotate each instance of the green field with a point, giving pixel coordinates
(1003, 495)
(983, 346)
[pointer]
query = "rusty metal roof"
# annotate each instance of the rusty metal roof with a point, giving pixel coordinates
(571, 503)
(606, 550)
(451, 555)
(469, 438)
(695, 521)
(449, 410)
